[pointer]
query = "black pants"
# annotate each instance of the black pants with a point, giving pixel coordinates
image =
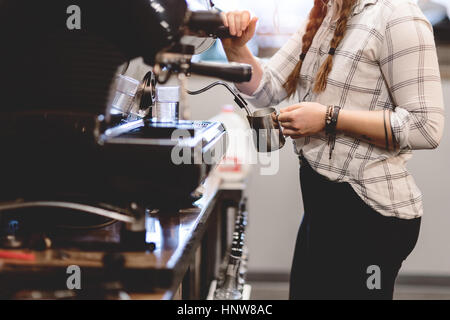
(345, 249)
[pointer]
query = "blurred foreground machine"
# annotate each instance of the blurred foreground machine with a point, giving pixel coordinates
(73, 173)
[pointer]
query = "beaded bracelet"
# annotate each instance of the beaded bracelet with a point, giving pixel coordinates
(331, 120)
(330, 126)
(328, 117)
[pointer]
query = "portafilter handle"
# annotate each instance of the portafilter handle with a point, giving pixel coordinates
(233, 72)
(223, 33)
(207, 23)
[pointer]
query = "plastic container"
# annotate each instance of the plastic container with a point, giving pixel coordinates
(124, 95)
(167, 104)
(235, 167)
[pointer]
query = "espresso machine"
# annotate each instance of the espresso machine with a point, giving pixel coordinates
(74, 149)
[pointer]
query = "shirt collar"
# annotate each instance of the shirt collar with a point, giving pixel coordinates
(361, 5)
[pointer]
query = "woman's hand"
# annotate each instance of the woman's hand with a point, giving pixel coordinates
(242, 28)
(303, 119)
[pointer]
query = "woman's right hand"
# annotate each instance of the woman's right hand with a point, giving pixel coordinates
(242, 28)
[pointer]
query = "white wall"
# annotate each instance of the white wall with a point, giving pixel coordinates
(276, 210)
(275, 201)
(432, 173)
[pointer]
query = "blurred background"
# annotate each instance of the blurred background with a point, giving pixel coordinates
(275, 201)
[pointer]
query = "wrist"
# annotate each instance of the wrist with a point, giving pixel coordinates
(237, 54)
(331, 119)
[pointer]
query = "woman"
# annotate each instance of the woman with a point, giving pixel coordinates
(367, 78)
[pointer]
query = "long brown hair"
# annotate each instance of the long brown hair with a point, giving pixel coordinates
(316, 17)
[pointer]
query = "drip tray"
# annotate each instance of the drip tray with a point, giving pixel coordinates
(166, 130)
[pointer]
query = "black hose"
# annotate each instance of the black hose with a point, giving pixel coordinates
(240, 101)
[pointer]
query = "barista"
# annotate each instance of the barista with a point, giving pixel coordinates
(369, 92)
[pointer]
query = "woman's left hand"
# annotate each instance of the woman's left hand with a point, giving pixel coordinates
(303, 119)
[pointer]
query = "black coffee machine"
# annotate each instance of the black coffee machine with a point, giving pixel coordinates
(60, 148)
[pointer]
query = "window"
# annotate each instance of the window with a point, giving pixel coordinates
(278, 20)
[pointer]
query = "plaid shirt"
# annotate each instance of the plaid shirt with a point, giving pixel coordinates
(387, 60)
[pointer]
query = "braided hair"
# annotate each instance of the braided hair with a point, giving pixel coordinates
(316, 17)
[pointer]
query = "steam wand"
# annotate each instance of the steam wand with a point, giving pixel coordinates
(240, 101)
(179, 62)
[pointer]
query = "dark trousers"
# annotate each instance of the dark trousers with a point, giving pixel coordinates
(345, 249)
